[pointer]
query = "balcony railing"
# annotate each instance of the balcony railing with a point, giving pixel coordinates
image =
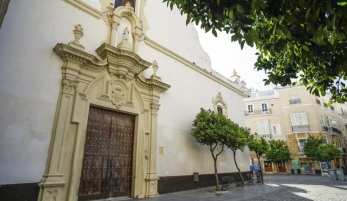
(332, 130)
(301, 149)
(267, 137)
(257, 112)
(300, 128)
(295, 101)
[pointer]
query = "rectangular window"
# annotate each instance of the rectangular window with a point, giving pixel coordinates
(276, 129)
(321, 120)
(118, 3)
(250, 108)
(263, 127)
(298, 119)
(264, 107)
(331, 122)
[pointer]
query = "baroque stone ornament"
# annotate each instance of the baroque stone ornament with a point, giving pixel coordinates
(78, 33)
(129, 7)
(155, 107)
(51, 195)
(69, 86)
(155, 67)
(117, 96)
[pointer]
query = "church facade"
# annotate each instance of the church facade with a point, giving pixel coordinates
(98, 97)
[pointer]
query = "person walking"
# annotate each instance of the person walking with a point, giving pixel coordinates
(258, 168)
(252, 169)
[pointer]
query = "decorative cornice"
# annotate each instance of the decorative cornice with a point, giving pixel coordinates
(84, 59)
(152, 83)
(122, 63)
(85, 7)
(3, 9)
(184, 61)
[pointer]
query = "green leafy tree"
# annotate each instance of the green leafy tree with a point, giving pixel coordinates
(210, 129)
(236, 139)
(302, 40)
(260, 146)
(311, 146)
(327, 152)
(278, 152)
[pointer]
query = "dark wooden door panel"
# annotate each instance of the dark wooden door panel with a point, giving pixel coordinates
(106, 170)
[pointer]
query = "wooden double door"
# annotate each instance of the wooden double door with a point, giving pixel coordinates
(108, 152)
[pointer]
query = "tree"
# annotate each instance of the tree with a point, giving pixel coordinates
(303, 40)
(260, 146)
(327, 152)
(311, 146)
(277, 152)
(236, 139)
(210, 129)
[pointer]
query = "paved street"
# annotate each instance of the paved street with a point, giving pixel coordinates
(276, 188)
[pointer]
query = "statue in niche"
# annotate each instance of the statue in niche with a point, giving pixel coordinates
(125, 34)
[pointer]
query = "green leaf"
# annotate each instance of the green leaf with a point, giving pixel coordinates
(306, 48)
(340, 36)
(231, 14)
(214, 32)
(239, 9)
(242, 44)
(249, 37)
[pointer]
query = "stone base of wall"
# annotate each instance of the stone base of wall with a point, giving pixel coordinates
(185, 182)
(19, 192)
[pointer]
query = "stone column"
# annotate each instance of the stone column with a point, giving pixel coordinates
(52, 183)
(152, 177)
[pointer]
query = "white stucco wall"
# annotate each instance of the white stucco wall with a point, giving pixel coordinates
(30, 80)
(171, 32)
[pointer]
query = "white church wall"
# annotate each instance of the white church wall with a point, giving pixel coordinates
(172, 33)
(189, 92)
(30, 80)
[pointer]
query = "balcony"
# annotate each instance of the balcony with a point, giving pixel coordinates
(267, 137)
(258, 112)
(332, 130)
(301, 149)
(301, 128)
(295, 101)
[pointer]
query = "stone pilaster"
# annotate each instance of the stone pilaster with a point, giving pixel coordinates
(152, 177)
(52, 183)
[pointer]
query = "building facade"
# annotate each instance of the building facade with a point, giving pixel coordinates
(97, 100)
(292, 114)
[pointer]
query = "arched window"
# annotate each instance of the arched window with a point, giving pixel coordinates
(118, 3)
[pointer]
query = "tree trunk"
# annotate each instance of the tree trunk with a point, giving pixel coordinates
(216, 173)
(215, 163)
(261, 170)
(234, 152)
